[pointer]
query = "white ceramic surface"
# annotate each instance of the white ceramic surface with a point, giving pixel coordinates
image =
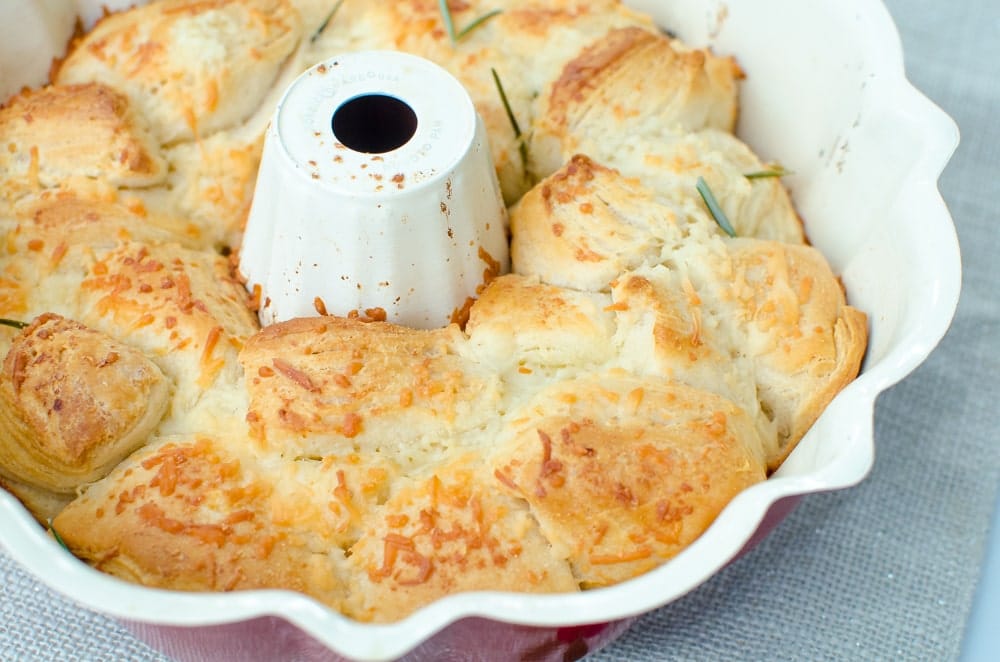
(341, 222)
(826, 94)
(33, 33)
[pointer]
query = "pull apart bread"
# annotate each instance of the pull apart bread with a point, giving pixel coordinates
(604, 401)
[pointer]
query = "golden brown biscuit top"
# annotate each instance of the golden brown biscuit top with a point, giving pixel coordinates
(333, 384)
(650, 460)
(190, 67)
(195, 514)
(447, 533)
(73, 403)
(75, 131)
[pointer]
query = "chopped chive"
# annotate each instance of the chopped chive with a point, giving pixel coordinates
(449, 22)
(14, 323)
(772, 171)
(522, 145)
(714, 207)
(326, 22)
(476, 23)
(55, 534)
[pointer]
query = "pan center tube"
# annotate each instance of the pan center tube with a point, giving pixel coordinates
(376, 196)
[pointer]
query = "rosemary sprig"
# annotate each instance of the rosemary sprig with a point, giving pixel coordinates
(14, 323)
(326, 22)
(714, 207)
(506, 104)
(522, 146)
(55, 534)
(775, 170)
(476, 23)
(449, 22)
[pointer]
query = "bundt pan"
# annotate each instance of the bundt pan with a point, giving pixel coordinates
(826, 96)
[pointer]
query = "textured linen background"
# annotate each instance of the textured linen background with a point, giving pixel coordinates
(884, 570)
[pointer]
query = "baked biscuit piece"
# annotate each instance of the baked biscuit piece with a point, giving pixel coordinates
(194, 513)
(676, 321)
(51, 242)
(189, 67)
(623, 472)
(335, 385)
(446, 533)
(60, 136)
(73, 403)
(586, 224)
(568, 232)
(535, 40)
(542, 36)
(805, 341)
(663, 171)
(632, 81)
(186, 311)
(666, 328)
(670, 165)
(520, 327)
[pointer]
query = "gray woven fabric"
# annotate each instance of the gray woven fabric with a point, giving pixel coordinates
(886, 570)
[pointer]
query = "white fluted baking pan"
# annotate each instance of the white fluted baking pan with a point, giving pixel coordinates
(827, 96)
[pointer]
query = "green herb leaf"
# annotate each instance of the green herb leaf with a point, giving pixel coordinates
(326, 22)
(55, 534)
(14, 323)
(772, 171)
(522, 145)
(476, 23)
(449, 22)
(714, 207)
(506, 103)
